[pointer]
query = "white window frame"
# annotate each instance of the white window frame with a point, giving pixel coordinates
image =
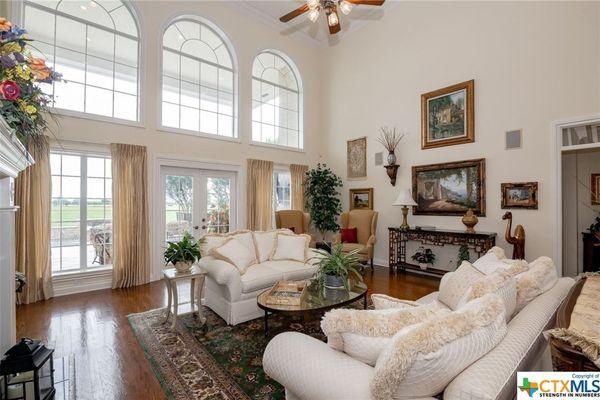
(18, 14)
(234, 70)
(300, 92)
(83, 222)
(281, 170)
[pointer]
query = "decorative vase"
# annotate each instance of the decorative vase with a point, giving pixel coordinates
(470, 220)
(334, 282)
(391, 158)
(183, 266)
(423, 266)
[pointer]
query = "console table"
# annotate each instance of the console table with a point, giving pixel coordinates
(478, 241)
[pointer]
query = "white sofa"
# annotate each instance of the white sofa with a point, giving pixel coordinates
(233, 295)
(311, 370)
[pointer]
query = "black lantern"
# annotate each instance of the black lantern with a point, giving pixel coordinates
(28, 372)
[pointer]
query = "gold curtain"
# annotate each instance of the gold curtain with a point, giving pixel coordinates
(33, 195)
(298, 174)
(131, 258)
(259, 196)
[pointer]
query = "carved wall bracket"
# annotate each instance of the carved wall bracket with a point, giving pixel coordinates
(392, 171)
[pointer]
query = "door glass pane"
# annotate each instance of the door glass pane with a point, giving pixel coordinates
(218, 204)
(179, 198)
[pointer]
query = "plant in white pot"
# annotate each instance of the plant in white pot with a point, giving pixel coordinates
(424, 257)
(184, 253)
(334, 269)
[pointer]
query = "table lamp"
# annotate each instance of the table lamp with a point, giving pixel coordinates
(404, 199)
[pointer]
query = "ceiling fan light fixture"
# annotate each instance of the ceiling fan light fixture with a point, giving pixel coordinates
(313, 14)
(332, 19)
(312, 4)
(346, 7)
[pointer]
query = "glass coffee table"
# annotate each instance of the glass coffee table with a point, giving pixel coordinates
(314, 302)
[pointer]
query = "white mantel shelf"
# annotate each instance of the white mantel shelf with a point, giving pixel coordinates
(13, 159)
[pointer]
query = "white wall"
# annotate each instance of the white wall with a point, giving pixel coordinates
(249, 37)
(533, 63)
(578, 212)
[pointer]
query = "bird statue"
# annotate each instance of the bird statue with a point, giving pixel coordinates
(518, 240)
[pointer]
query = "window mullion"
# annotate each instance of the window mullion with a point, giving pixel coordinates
(83, 214)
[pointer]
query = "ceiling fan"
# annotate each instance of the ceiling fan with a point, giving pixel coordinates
(330, 7)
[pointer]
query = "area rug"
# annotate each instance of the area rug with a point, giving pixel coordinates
(215, 361)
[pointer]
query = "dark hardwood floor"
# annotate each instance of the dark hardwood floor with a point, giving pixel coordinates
(109, 363)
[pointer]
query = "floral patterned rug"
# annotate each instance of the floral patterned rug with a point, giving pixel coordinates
(215, 361)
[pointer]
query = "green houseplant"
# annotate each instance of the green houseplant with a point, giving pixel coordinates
(463, 255)
(424, 257)
(335, 268)
(184, 253)
(323, 199)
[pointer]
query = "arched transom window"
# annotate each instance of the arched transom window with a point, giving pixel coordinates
(94, 45)
(276, 101)
(198, 92)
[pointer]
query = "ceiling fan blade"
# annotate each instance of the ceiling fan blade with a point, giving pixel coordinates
(335, 29)
(368, 2)
(291, 15)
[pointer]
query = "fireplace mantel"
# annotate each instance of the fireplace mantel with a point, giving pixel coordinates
(13, 159)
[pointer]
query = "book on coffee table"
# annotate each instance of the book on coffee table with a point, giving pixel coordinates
(287, 293)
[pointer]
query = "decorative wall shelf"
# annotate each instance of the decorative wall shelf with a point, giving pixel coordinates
(392, 171)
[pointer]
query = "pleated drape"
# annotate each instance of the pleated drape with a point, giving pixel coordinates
(131, 258)
(259, 195)
(33, 196)
(298, 177)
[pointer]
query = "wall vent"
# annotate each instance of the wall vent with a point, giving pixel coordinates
(514, 139)
(379, 158)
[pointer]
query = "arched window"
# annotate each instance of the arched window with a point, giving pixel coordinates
(94, 45)
(198, 79)
(276, 101)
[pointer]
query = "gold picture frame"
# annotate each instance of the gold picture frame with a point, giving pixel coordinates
(448, 116)
(595, 189)
(520, 195)
(361, 199)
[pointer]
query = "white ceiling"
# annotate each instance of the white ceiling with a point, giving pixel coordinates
(318, 32)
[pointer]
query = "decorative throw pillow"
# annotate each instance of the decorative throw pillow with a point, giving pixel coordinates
(500, 283)
(349, 235)
(290, 247)
(384, 302)
(539, 278)
(440, 347)
(264, 242)
(210, 241)
(363, 334)
(236, 253)
(491, 261)
(246, 238)
(454, 285)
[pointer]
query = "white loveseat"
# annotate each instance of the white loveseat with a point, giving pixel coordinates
(232, 295)
(311, 370)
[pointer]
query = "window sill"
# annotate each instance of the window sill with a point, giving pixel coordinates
(100, 118)
(277, 146)
(78, 274)
(166, 129)
(66, 283)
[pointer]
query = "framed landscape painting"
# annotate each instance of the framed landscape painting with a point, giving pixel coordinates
(361, 199)
(448, 116)
(356, 158)
(449, 188)
(520, 195)
(595, 189)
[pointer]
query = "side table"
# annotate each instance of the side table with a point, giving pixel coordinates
(196, 277)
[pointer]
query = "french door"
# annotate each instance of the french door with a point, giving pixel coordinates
(197, 201)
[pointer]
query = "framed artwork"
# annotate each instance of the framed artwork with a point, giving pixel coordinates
(361, 199)
(448, 116)
(449, 188)
(595, 189)
(356, 158)
(520, 195)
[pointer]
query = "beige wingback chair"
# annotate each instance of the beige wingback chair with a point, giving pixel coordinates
(296, 219)
(365, 222)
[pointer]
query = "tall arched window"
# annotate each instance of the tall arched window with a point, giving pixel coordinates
(94, 44)
(198, 79)
(276, 101)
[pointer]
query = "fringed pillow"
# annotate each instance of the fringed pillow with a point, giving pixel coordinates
(539, 278)
(454, 285)
(420, 361)
(363, 334)
(383, 302)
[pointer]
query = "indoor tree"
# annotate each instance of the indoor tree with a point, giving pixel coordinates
(323, 199)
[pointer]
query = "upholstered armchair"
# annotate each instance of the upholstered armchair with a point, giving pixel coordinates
(365, 222)
(296, 219)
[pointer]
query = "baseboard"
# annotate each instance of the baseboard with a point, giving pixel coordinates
(380, 262)
(80, 283)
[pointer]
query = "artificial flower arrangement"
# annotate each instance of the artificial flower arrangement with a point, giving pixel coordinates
(22, 101)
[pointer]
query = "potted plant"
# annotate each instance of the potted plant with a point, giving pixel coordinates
(463, 255)
(424, 257)
(595, 228)
(390, 139)
(323, 199)
(183, 254)
(334, 269)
